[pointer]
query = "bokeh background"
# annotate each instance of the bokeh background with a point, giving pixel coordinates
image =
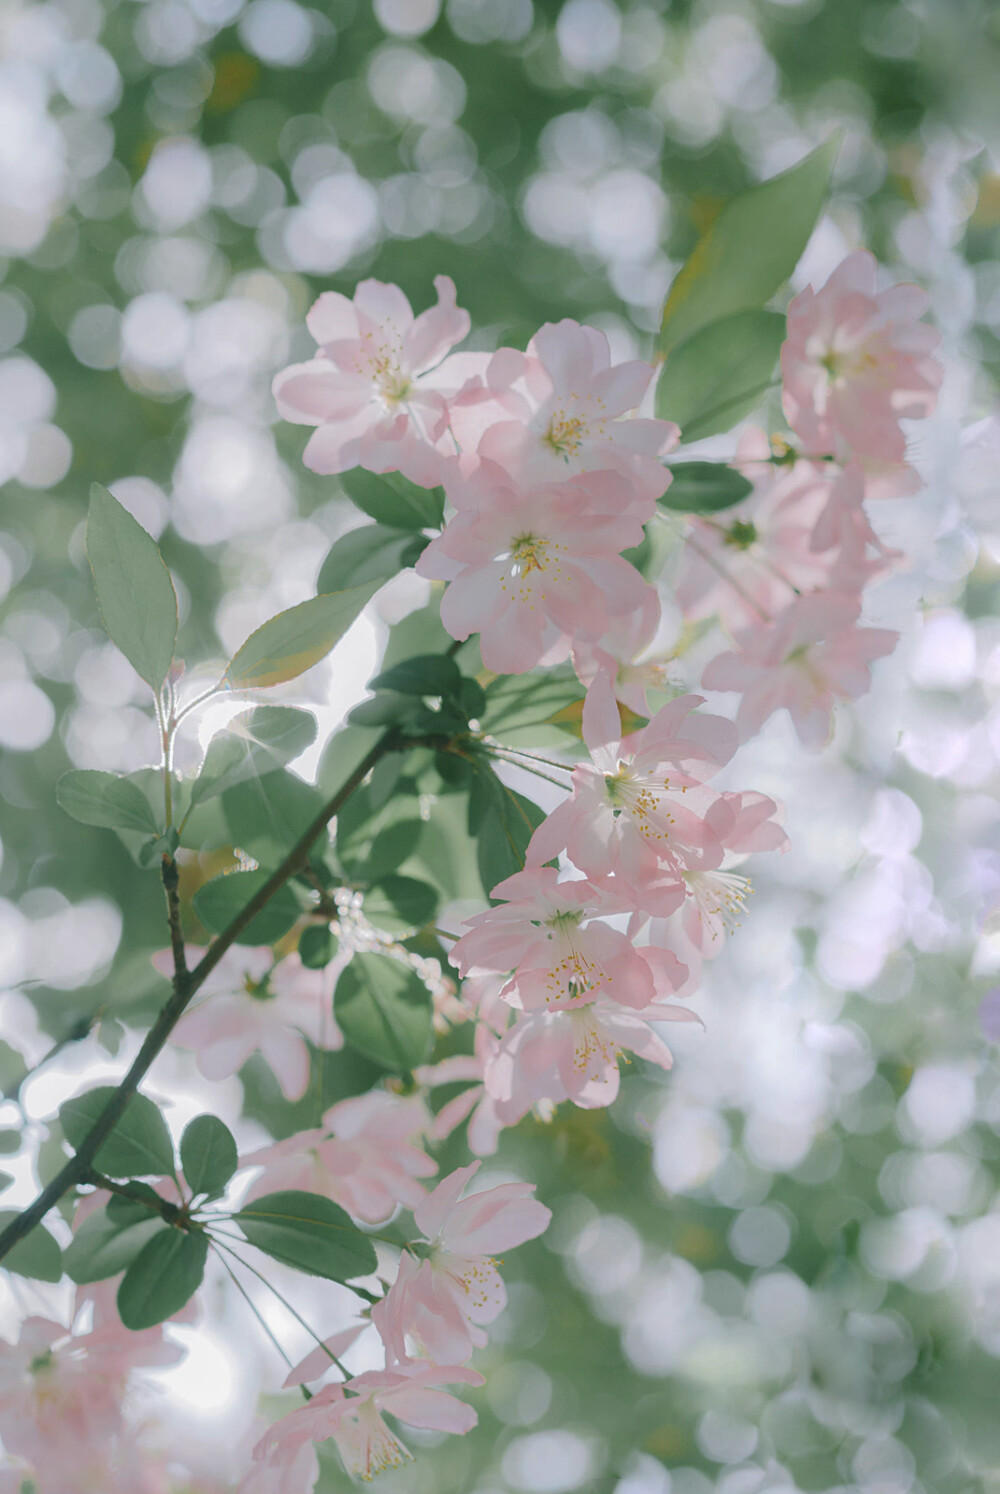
(778, 1268)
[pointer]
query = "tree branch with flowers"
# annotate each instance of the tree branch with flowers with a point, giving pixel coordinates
(540, 493)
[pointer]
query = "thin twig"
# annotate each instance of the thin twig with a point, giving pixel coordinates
(185, 984)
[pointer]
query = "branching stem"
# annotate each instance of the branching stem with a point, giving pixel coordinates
(185, 984)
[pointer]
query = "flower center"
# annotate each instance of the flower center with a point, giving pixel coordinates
(259, 990)
(720, 898)
(367, 1446)
(741, 534)
(594, 1052)
(642, 799)
(565, 433)
(529, 553)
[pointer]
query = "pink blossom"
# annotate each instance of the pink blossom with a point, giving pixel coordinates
(629, 654)
(363, 1156)
(442, 1301)
(319, 1360)
(811, 656)
(377, 389)
(641, 809)
(856, 361)
(486, 1118)
(532, 570)
(561, 408)
(548, 933)
(747, 562)
(254, 1005)
(574, 1054)
(352, 1415)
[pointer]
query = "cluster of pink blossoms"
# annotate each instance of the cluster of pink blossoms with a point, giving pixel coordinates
(551, 474)
(62, 1402)
(430, 1319)
(787, 569)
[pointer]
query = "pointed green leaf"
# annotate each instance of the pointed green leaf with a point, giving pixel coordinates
(392, 499)
(218, 902)
(164, 1276)
(503, 822)
(400, 902)
(104, 799)
(208, 1154)
(103, 1246)
(704, 488)
(134, 590)
(251, 745)
(140, 1144)
(715, 378)
(36, 1256)
(384, 1011)
(371, 553)
(750, 249)
(310, 1232)
(289, 644)
(6, 1178)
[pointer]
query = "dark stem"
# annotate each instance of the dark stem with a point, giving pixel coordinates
(171, 881)
(186, 983)
(162, 1206)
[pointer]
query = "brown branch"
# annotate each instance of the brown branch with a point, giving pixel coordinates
(186, 983)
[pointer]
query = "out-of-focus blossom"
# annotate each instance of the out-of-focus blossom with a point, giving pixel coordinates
(811, 656)
(364, 1156)
(856, 361)
(254, 1005)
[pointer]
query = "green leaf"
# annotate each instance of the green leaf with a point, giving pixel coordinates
(704, 488)
(134, 590)
(750, 249)
(218, 902)
(372, 844)
(164, 1275)
(289, 644)
(6, 1178)
(104, 799)
(10, 1142)
(502, 821)
(140, 1144)
(102, 1245)
(310, 1232)
(402, 901)
(36, 1256)
(518, 705)
(384, 1011)
(317, 946)
(266, 816)
(208, 1154)
(251, 745)
(372, 553)
(427, 674)
(715, 378)
(392, 499)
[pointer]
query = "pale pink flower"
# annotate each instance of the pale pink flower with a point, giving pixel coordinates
(364, 1156)
(253, 1005)
(810, 657)
(377, 389)
(631, 653)
(574, 1054)
(641, 808)
(321, 1359)
(747, 562)
(485, 1117)
(549, 934)
(532, 570)
(561, 408)
(352, 1415)
(442, 1301)
(856, 361)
